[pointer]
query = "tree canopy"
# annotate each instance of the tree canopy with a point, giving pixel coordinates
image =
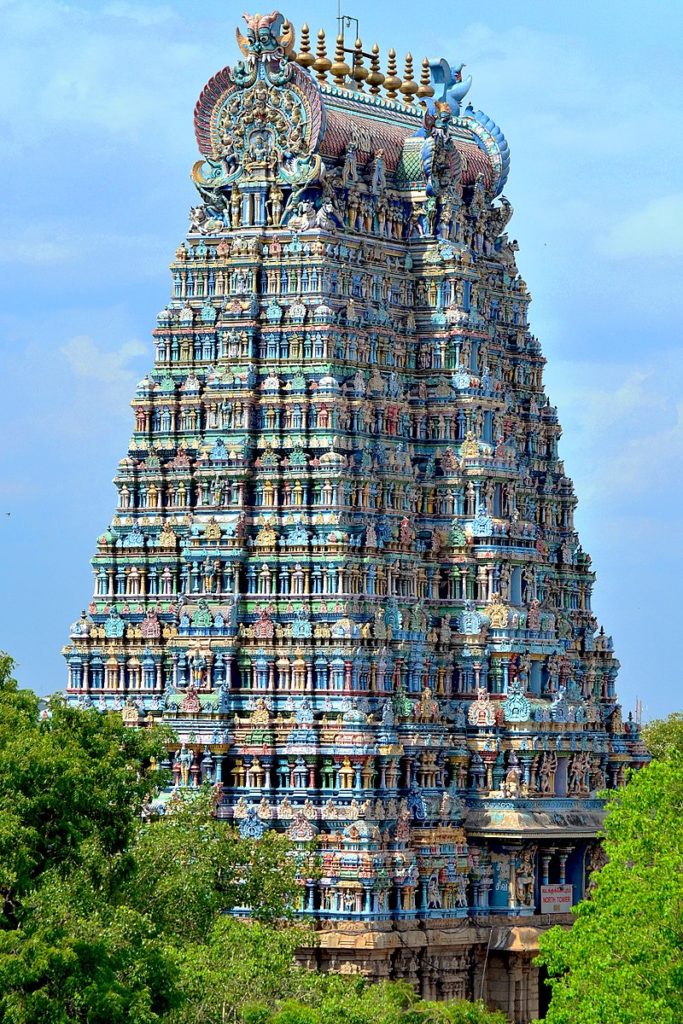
(339, 1000)
(622, 961)
(108, 918)
(663, 737)
(64, 779)
(100, 908)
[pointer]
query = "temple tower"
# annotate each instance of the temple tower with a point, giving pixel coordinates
(343, 565)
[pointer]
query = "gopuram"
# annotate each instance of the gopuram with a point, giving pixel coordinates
(343, 566)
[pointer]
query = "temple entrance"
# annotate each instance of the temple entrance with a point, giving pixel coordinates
(544, 993)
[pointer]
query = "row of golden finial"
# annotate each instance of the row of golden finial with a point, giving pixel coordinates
(361, 75)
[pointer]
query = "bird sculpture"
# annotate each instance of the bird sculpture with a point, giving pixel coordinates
(455, 87)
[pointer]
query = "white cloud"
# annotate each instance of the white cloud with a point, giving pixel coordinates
(72, 246)
(623, 430)
(140, 15)
(604, 395)
(63, 388)
(12, 489)
(655, 230)
(34, 250)
(548, 93)
(86, 359)
(648, 462)
(121, 72)
(525, 63)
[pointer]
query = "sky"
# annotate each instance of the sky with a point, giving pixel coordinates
(96, 104)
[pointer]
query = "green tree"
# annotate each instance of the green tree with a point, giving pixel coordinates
(133, 935)
(622, 961)
(107, 967)
(72, 788)
(105, 915)
(63, 779)
(109, 919)
(241, 963)
(246, 973)
(664, 736)
(190, 868)
(352, 1000)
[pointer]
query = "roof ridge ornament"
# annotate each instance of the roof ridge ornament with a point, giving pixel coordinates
(455, 88)
(267, 34)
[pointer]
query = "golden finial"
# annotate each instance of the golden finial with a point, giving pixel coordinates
(340, 69)
(305, 58)
(287, 39)
(392, 82)
(425, 87)
(322, 62)
(409, 87)
(358, 72)
(375, 76)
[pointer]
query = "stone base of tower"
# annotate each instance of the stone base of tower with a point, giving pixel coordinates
(443, 959)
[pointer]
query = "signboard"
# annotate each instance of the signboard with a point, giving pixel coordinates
(556, 899)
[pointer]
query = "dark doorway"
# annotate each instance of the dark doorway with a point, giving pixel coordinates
(544, 993)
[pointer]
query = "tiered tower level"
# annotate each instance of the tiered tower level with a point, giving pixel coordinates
(344, 565)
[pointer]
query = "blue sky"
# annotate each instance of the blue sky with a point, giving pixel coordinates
(96, 103)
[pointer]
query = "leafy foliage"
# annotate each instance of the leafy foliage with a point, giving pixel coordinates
(191, 867)
(101, 909)
(239, 964)
(664, 736)
(622, 962)
(339, 1000)
(110, 966)
(72, 788)
(64, 779)
(262, 987)
(109, 919)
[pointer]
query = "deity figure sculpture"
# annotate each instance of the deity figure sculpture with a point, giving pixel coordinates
(184, 760)
(547, 772)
